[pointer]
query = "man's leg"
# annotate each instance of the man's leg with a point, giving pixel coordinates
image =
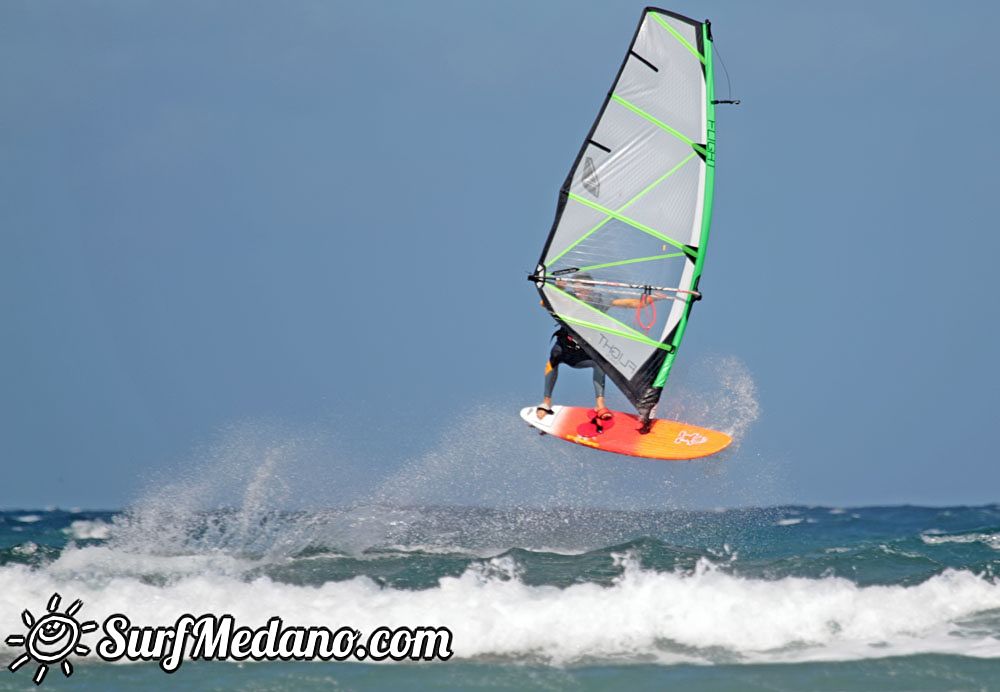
(551, 375)
(599, 379)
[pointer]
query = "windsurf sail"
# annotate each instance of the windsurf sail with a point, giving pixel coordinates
(633, 216)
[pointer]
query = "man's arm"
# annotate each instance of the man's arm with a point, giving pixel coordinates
(637, 302)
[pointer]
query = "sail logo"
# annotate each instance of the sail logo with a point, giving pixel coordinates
(685, 437)
(615, 355)
(590, 179)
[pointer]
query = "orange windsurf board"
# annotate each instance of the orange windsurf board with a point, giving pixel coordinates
(667, 439)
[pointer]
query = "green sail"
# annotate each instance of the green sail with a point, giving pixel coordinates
(634, 213)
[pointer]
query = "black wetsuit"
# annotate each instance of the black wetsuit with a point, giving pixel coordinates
(567, 351)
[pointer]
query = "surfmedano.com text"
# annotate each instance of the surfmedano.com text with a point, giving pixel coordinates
(217, 638)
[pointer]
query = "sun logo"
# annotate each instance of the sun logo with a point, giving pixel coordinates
(51, 638)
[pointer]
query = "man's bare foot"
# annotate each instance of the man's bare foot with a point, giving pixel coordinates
(544, 409)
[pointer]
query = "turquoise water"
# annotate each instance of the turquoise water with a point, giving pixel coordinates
(774, 598)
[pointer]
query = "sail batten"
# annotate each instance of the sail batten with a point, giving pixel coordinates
(631, 222)
(635, 210)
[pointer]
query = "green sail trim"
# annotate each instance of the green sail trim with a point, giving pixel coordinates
(684, 42)
(622, 208)
(634, 336)
(631, 261)
(580, 240)
(706, 214)
(659, 123)
(633, 223)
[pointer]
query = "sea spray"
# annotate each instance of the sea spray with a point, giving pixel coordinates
(235, 500)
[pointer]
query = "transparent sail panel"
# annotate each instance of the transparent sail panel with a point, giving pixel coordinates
(674, 92)
(590, 314)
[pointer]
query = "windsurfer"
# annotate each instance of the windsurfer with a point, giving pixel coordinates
(566, 350)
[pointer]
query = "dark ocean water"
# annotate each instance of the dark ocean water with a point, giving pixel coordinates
(776, 598)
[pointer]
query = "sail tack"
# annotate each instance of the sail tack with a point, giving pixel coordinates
(634, 213)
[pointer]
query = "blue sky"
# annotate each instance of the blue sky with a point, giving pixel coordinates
(313, 220)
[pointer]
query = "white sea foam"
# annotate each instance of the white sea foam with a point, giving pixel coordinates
(704, 615)
(788, 522)
(558, 551)
(933, 537)
(102, 565)
(86, 529)
(28, 548)
(28, 518)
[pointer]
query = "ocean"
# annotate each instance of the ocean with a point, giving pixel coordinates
(776, 598)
